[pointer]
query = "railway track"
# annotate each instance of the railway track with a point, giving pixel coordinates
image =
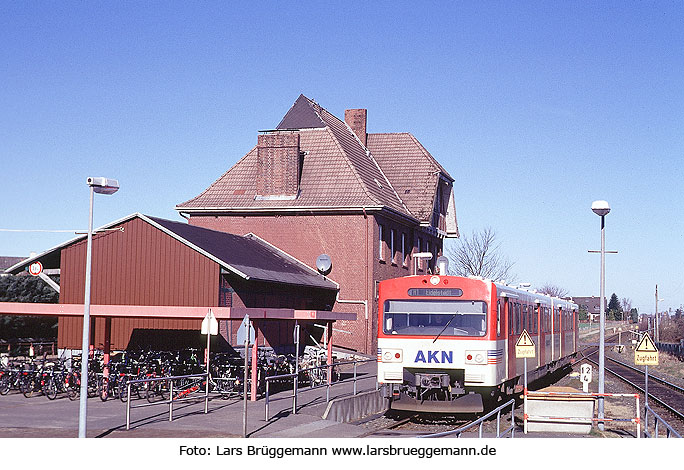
(662, 395)
(412, 426)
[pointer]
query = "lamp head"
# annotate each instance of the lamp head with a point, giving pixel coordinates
(102, 185)
(600, 207)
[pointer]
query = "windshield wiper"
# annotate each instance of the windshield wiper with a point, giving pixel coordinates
(445, 327)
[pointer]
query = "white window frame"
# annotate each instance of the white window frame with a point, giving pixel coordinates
(392, 252)
(403, 249)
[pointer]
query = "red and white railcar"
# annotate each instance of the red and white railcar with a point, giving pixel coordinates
(446, 344)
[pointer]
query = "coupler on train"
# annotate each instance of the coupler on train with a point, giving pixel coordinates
(432, 392)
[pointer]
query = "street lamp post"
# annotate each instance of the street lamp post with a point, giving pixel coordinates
(601, 208)
(98, 185)
(656, 324)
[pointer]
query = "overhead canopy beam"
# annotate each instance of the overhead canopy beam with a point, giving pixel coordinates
(49, 281)
(164, 311)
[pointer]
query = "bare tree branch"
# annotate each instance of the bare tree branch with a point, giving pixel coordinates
(479, 255)
(553, 290)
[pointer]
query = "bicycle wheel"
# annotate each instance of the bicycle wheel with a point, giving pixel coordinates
(163, 390)
(122, 389)
(103, 388)
(5, 384)
(93, 384)
(28, 386)
(50, 388)
(151, 392)
(73, 386)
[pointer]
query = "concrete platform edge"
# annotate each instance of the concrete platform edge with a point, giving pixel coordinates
(355, 407)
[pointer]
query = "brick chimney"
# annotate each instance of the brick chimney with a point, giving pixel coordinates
(356, 119)
(278, 164)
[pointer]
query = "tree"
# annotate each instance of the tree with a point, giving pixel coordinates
(480, 255)
(553, 290)
(583, 313)
(614, 308)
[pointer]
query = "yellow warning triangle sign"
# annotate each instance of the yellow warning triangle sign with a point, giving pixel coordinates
(646, 344)
(525, 339)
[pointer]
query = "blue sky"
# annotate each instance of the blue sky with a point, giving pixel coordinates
(535, 108)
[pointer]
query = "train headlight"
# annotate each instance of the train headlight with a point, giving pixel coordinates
(392, 355)
(476, 357)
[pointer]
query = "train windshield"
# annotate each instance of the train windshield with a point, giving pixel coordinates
(435, 318)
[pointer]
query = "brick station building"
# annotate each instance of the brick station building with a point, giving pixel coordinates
(318, 184)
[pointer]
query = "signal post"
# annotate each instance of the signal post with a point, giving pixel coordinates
(525, 348)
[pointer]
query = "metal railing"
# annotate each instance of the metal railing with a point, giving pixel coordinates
(172, 399)
(669, 430)
(480, 422)
(328, 383)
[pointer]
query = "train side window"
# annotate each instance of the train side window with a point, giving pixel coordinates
(498, 318)
(511, 316)
(517, 319)
(545, 324)
(556, 320)
(530, 318)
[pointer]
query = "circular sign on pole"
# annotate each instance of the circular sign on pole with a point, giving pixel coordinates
(35, 268)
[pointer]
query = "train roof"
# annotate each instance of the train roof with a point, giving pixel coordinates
(531, 294)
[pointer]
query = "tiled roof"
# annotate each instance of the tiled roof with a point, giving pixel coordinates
(414, 173)
(393, 171)
(7, 261)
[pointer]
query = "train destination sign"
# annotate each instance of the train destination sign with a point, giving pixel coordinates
(646, 353)
(524, 347)
(434, 292)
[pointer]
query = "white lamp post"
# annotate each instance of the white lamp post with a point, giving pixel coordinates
(656, 325)
(99, 185)
(601, 208)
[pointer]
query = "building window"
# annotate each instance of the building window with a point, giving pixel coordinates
(403, 249)
(427, 250)
(381, 243)
(420, 246)
(392, 251)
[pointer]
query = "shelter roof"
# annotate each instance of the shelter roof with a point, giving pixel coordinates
(247, 256)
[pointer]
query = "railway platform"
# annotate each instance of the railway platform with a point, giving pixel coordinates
(38, 417)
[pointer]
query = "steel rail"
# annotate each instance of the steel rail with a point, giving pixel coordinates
(668, 407)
